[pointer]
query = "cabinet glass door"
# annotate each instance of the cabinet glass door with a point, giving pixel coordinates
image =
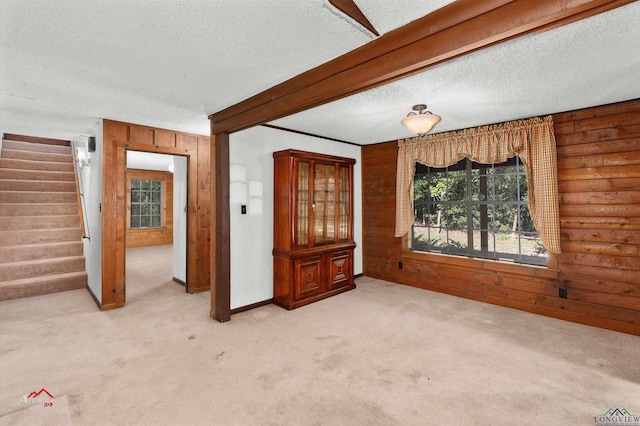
(302, 234)
(324, 188)
(344, 204)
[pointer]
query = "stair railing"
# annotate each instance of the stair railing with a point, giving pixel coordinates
(78, 165)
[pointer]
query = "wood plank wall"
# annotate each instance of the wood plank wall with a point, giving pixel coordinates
(117, 138)
(599, 182)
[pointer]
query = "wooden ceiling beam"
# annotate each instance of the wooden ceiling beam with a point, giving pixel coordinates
(460, 28)
(421, 28)
(351, 9)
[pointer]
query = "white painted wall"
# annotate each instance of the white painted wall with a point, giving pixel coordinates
(252, 235)
(92, 190)
(180, 218)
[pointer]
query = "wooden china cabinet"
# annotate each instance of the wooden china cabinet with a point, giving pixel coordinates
(313, 227)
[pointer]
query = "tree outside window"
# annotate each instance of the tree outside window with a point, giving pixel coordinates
(146, 203)
(475, 210)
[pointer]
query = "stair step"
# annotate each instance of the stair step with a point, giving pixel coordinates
(40, 251)
(35, 139)
(37, 236)
(38, 209)
(12, 163)
(36, 185)
(16, 223)
(28, 287)
(37, 197)
(40, 267)
(34, 146)
(36, 156)
(39, 175)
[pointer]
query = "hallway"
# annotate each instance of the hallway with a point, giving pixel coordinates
(149, 270)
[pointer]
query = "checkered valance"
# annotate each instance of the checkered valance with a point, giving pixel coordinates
(532, 140)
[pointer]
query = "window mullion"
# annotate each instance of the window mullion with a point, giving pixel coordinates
(469, 208)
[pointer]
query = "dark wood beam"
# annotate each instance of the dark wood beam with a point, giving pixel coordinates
(220, 229)
(351, 9)
(432, 23)
(460, 28)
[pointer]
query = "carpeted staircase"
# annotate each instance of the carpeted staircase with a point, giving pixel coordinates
(40, 234)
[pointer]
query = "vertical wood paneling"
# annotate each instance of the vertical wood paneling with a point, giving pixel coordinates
(599, 176)
(164, 138)
(119, 228)
(112, 132)
(194, 281)
(204, 216)
(117, 137)
(141, 134)
(186, 142)
(189, 144)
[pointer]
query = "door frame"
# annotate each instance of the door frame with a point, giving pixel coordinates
(114, 218)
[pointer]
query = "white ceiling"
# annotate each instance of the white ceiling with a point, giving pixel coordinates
(170, 63)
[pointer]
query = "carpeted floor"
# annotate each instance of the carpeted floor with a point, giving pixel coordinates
(382, 354)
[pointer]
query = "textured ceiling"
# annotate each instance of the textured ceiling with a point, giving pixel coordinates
(165, 63)
(169, 63)
(591, 62)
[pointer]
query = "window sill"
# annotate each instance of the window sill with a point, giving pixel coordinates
(550, 271)
(147, 230)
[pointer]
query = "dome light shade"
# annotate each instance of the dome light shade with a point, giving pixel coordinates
(422, 121)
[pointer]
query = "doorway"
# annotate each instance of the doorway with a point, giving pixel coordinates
(156, 224)
(118, 138)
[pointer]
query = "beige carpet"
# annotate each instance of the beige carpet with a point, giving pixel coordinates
(147, 269)
(383, 354)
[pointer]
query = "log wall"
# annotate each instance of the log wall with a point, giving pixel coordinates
(599, 183)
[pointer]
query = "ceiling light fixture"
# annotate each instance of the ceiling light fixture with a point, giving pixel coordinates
(422, 121)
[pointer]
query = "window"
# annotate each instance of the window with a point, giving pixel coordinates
(146, 203)
(475, 210)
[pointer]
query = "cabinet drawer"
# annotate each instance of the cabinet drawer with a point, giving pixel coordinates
(339, 269)
(308, 277)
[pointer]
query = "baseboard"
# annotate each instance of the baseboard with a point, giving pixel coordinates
(109, 307)
(179, 281)
(252, 306)
(358, 276)
(95, 299)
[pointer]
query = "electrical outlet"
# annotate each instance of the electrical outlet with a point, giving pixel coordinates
(243, 209)
(562, 292)
(399, 265)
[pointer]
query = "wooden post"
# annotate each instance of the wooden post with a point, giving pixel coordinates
(220, 229)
